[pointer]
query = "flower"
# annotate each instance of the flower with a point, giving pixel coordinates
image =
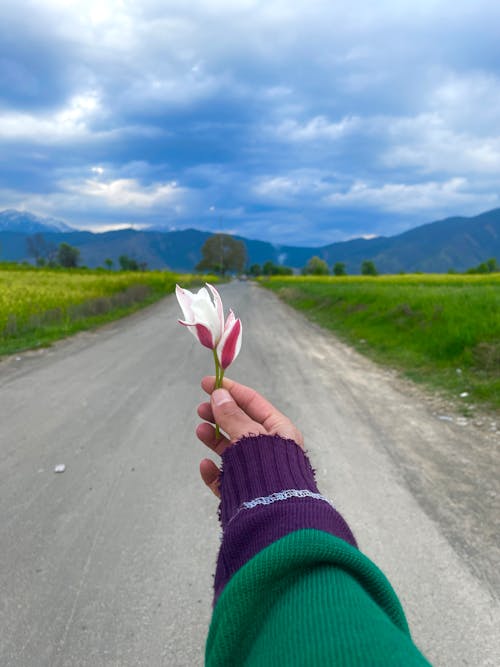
(204, 317)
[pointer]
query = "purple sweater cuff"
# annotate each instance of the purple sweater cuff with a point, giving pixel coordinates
(267, 491)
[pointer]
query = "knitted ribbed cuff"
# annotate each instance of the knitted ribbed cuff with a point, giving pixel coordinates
(258, 466)
(267, 491)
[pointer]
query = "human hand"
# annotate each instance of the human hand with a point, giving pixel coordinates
(239, 411)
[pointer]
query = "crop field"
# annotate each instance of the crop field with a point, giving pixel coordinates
(38, 306)
(439, 329)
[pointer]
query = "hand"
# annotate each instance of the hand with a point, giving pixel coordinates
(239, 411)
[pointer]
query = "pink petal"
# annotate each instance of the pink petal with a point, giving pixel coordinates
(202, 333)
(230, 344)
(205, 336)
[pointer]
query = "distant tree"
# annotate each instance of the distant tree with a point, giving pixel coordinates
(68, 256)
(316, 267)
(489, 266)
(255, 270)
(271, 269)
(339, 269)
(221, 253)
(128, 263)
(368, 268)
(143, 266)
(108, 263)
(492, 265)
(41, 250)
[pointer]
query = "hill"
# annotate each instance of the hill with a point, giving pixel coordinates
(457, 243)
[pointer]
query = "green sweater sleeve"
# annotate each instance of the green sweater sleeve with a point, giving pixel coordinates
(308, 600)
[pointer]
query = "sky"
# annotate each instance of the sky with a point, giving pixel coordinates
(303, 122)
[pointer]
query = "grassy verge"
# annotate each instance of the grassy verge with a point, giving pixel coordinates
(438, 329)
(39, 306)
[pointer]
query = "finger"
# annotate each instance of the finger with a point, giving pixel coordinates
(206, 433)
(210, 475)
(255, 405)
(205, 412)
(257, 408)
(227, 413)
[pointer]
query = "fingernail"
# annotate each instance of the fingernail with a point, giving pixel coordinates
(221, 396)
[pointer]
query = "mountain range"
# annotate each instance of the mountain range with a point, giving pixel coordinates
(457, 242)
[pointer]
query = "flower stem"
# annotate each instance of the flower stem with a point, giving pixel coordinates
(219, 374)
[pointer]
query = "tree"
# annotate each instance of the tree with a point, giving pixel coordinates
(68, 256)
(255, 270)
(108, 263)
(221, 253)
(127, 263)
(316, 267)
(489, 266)
(271, 269)
(368, 268)
(492, 265)
(339, 269)
(41, 250)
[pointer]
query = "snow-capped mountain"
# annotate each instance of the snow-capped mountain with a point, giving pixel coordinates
(28, 223)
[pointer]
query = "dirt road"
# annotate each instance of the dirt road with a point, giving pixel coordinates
(110, 562)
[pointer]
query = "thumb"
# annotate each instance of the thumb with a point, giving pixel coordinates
(231, 418)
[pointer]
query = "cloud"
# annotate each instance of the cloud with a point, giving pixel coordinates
(403, 198)
(297, 121)
(318, 128)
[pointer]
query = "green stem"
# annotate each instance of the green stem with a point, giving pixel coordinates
(219, 374)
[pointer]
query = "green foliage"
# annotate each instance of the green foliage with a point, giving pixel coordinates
(128, 263)
(221, 253)
(108, 263)
(339, 269)
(368, 268)
(68, 256)
(490, 266)
(255, 270)
(316, 267)
(426, 325)
(271, 269)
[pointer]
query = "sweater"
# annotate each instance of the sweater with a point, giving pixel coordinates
(291, 587)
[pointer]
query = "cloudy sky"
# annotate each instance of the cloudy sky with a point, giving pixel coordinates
(304, 121)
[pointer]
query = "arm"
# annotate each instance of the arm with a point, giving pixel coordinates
(291, 587)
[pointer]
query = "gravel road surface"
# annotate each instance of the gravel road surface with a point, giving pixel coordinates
(110, 563)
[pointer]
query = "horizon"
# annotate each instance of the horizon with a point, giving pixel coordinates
(304, 125)
(103, 230)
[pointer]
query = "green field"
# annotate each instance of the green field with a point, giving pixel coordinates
(439, 329)
(38, 306)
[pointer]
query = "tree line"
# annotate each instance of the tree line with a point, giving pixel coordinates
(46, 253)
(221, 254)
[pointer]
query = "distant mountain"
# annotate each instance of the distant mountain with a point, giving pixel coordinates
(28, 223)
(457, 243)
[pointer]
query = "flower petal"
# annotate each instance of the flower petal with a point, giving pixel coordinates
(185, 299)
(201, 332)
(230, 344)
(218, 304)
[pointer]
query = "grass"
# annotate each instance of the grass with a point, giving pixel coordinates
(39, 306)
(443, 330)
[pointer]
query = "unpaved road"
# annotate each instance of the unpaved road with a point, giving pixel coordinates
(110, 563)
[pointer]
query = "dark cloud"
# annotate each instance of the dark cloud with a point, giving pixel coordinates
(296, 122)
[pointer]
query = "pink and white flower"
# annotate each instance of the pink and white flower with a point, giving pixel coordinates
(204, 317)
